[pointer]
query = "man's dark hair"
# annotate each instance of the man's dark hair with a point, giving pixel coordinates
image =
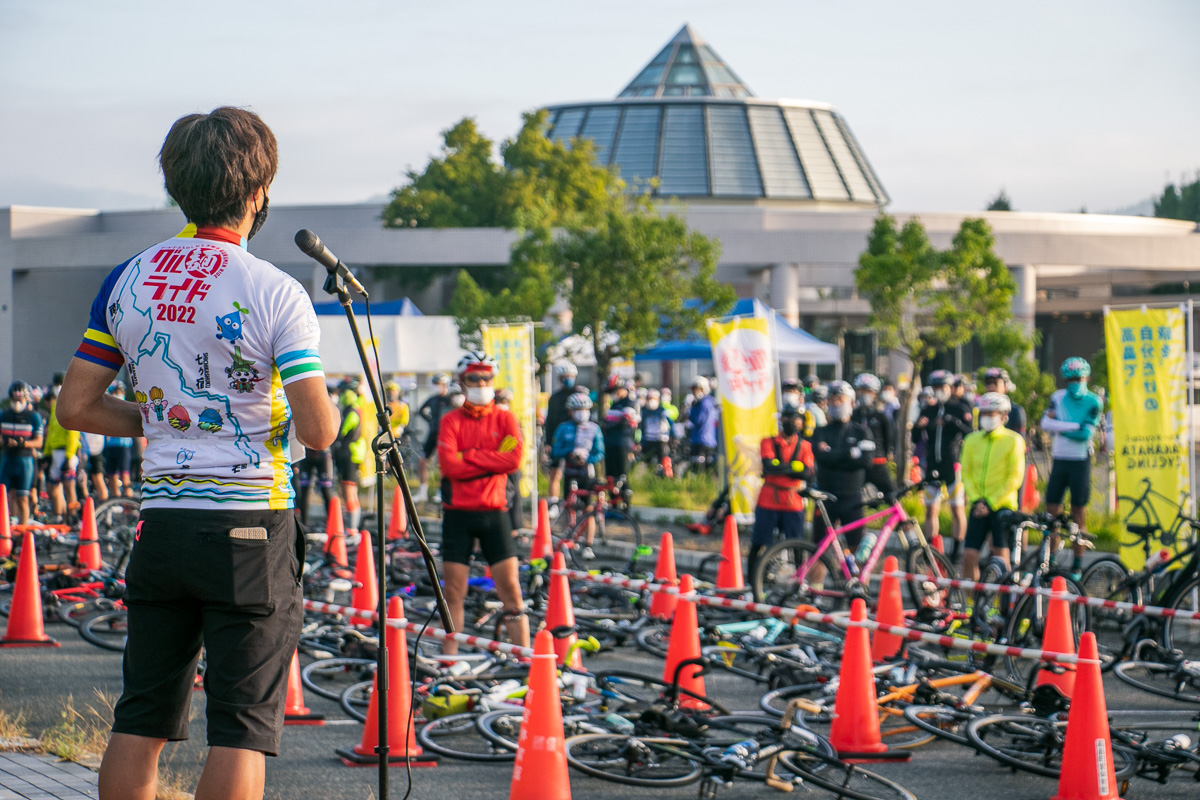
(213, 163)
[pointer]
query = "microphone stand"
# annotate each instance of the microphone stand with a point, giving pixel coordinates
(387, 460)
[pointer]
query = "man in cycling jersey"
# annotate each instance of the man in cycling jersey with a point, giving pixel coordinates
(478, 446)
(993, 466)
(656, 434)
(1073, 417)
(702, 425)
(234, 370)
(557, 414)
(62, 447)
(577, 448)
(431, 411)
(787, 462)
(620, 426)
(879, 426)
(21, 430)
(350, 449)
(842, 450)
(941, 427)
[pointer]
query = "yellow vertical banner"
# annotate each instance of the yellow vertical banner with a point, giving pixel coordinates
(1148, 386)
(744, 359)
(512, 347)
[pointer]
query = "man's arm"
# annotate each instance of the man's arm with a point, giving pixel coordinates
(85, 405)
(504, 460)
(315, 417)
(450, 458)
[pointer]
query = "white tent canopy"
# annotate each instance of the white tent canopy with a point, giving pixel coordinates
(405, 343)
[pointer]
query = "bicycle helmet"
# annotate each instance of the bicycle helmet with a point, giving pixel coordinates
(504, 396)
(613, 383)
(818, 393)
(811, 380)
(566, 368)
(841, 389)
(578, 402)
(995, 374)
(1075, 367)
(439, 379)
(941, 377)
(790, 385)
(18, 387)
(348, 384)
(868, 382)
(700, 382)
(991, 402)
(476, 361)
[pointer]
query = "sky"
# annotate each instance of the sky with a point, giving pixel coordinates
(1064, 104)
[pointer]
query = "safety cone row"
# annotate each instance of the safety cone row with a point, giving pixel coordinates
(365, 594)
(541, 533)
(1087, 758)
(1058, 637)
(296, 713)
(855, 729)
(398, 518)
(889, 611)
(662, 604)
(729, 573)
(335, 534)
(560, 612)
(402, 738)
(540, 769)
(88, 553)
(6, 542)
(684, 645)
(25, 627)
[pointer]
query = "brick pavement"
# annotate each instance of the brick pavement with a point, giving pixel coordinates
(27, 776)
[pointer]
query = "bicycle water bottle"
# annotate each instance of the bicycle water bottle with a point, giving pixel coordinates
(1158, 560)
(865, 547)
(740, 752)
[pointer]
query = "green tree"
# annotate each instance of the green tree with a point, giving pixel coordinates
(924, 301)
(1183, 203)
(1000, 202)
(639, 274)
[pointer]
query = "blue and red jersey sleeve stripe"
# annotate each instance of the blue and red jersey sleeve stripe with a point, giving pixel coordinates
(98, 345)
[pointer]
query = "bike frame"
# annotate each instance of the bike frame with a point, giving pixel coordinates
(894, 516)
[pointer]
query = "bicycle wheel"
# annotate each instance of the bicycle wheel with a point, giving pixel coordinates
(634, 760)
(76, 612)
(107, 630)
(990, 609)
(617, 525)
(1034, 744)
(774, 580)
(1028, 623)
(843, 779)
(944, 722)
(355, 699)
(1108, 578)
(933, 565)
(455, 736)
(1176, 681)
(725, 731)
(776, 701)
(654, 639)
(329, 677)
(1183, 635)
(624, 690)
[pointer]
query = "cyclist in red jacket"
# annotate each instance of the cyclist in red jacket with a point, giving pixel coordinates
(787, 462)
(478, 445)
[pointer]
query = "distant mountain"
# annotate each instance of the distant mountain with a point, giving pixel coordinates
(1143, 208)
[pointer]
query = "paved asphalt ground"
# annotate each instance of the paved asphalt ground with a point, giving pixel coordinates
(36, 682)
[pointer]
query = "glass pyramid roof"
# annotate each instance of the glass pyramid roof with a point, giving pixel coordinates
(687, 67)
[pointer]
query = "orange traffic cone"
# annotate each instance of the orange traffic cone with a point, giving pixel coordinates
(540, 770)
(1058, 638)
(6, 545)
(88, 553)
(296, 713)
(402, 739)
(890, 611)
(662, 604)
(1087, 760)
(935, 542)
(25, 627)
(729, 574)
(365, 594)
(684, 645)
(335, 535)
(541, 533)
(855, 729)
(1029, 493)
(398, 518)
(561, 613)
(668, 470)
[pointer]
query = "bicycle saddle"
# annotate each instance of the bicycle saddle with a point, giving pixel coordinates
(1143, 531)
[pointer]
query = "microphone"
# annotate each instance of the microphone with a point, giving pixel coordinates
(310, 244)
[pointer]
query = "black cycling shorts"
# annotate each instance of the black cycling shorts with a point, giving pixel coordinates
(118, 460)
(492, 529)
(95, 465)
(1075, 475)
(347, 468)
(430, 446)
(207, 578)
(997, 524)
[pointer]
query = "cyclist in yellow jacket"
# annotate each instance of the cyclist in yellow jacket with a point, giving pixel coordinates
(993, 466)
(62, 448)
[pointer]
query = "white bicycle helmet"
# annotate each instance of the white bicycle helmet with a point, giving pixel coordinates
(439, 379)
(994, 402)
(700, 382)
(476, 361)
(578, 402)
(868, 382)
(841, 389)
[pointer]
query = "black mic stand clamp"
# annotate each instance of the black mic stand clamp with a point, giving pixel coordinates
(387, 461)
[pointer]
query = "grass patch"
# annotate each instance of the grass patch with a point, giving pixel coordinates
(692, 492)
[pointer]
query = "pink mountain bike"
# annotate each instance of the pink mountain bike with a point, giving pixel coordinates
(828, 574)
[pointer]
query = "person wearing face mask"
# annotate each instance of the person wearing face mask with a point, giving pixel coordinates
(842, 451)
(22, 428)
(993, 466)
(941, 428)
(577, 448)
(889, 402)
(703, 418)
(656, 434)
(818, 398)
(431, 411)
(479, 444)
(868, 414)
(1073, 417)
(620, 426)
(556, 414)
(995, 379)
(787, 462)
